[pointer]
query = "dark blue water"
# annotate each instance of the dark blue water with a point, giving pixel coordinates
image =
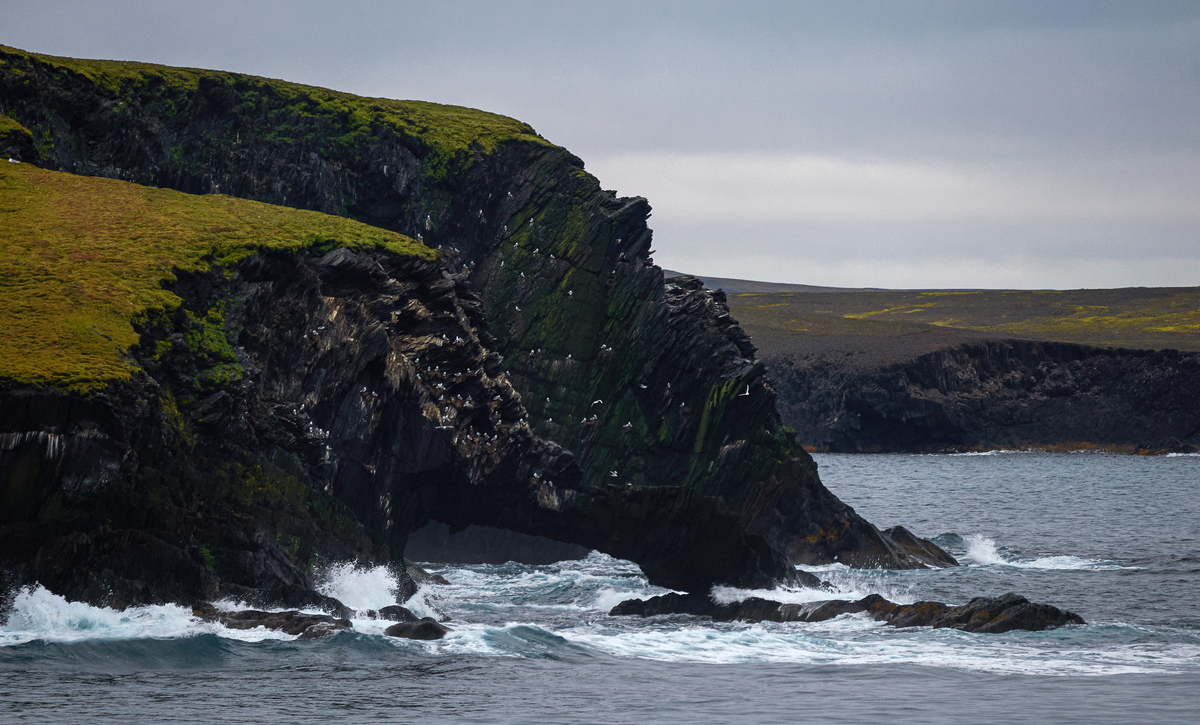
(1114, 538)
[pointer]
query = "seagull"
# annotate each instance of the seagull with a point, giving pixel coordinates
(502, 263)
(522, 275)
(642, 386)
(568, 356)
(514, 244)
(549, 420)
(518, 307)
(537, 250)
(681, 405)
(627, 425)
(374, 394)
(745, 393)
(570, 292)
(613, 474)
(596, 402)
(363, 390)
(551, 256)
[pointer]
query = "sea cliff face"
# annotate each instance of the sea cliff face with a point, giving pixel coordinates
(666, 441)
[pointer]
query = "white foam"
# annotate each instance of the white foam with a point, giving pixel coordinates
(39, 614)
(984, 552)
(358, 587)
(997, 452)
(1183, 455)
(855, 640)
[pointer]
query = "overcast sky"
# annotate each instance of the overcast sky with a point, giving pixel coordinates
(891, 144)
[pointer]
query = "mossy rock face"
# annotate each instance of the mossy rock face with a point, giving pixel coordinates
(16, 141)
(84, 260)
(562, 268)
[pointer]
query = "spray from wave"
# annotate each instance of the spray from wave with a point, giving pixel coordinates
(985, 552)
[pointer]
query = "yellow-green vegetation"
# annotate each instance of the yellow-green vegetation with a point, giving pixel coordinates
(1153, 318)
(81, 258)
(450, 132)
(9, 127)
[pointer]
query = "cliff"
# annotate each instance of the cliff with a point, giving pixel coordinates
(677, 458)
(996, 394)
(301, 388)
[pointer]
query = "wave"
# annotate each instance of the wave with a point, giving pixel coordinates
(985, 552)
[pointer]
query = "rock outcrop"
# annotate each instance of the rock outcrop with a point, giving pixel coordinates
(304, 624)
(982, 614)
(544, 379)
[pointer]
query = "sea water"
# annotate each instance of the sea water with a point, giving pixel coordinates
(1113, 538)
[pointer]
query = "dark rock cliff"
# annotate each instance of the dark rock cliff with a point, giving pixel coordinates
(651, 386)
(995, 394)
(365, 406)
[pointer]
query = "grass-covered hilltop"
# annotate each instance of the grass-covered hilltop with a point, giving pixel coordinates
(84, 260)
(869, 369)
(261, 324)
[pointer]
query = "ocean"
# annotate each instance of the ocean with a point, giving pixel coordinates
(1113, 538)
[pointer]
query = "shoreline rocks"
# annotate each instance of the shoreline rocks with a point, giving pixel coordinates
(304, 624)
(991, 615)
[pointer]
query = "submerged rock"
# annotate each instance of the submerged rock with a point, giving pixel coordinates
(424, 628)
(982, 614)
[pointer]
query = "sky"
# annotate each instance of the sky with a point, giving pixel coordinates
(1029, 145)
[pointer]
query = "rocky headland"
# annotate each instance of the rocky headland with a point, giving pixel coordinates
(221, 381)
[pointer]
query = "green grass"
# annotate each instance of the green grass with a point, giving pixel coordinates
(82, 257)
(451, 133)
(1153, 318)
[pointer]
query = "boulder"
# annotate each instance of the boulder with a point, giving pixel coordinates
(424, 628)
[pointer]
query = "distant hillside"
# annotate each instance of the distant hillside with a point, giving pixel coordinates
(873, 369)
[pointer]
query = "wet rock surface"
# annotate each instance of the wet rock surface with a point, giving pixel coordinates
(426, 628)
(982, 614)
(304, 624)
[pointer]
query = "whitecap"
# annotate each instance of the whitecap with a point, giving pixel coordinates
(984, 552)
(39, 614)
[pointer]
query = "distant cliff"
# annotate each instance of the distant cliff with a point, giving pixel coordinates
(995, 394)
(652, 388)
(929, 370)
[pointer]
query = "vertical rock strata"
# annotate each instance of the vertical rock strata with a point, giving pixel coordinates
(677, 447)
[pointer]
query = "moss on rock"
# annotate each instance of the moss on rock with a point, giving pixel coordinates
(82, 259)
